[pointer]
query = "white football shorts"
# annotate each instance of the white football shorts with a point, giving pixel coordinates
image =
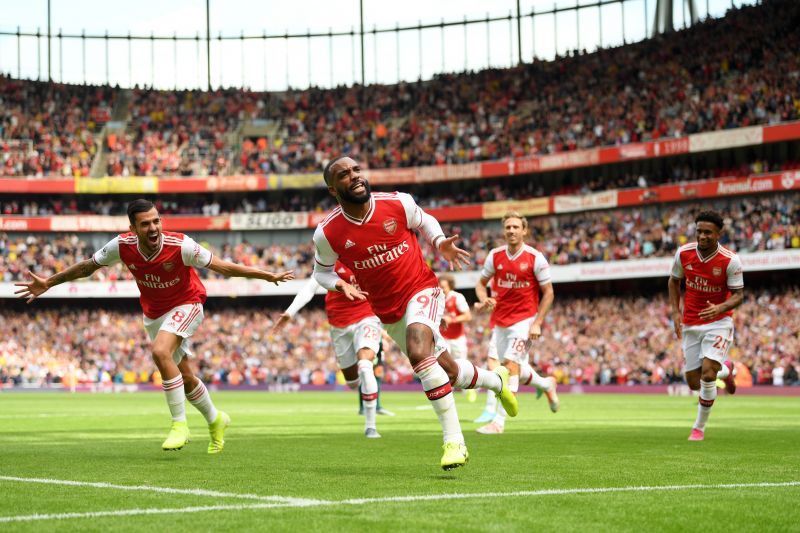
(183, 321)
(513, 342)
(712, 341)
(425, 307)
(347, 341)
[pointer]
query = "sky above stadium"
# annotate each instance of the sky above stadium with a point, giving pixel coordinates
(276, 64)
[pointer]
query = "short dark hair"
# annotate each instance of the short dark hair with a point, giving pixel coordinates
(326, 173)
(138, 206)
(710, 216)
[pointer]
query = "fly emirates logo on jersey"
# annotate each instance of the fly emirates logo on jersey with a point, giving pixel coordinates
(153, 281)
(510, 281)
(381, 254)
(701, 284)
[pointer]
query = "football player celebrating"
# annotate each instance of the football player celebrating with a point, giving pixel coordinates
(714, 288)
(172, 296)
(373, 235)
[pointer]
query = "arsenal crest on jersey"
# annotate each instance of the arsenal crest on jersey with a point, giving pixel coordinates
(717, 271)
(390, 226)
(523, 267)
(168, 266)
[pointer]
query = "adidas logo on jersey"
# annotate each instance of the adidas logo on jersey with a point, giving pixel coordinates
(348, 244)
(689, 267)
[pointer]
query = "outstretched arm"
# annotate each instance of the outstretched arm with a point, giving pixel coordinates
(230, 270)
(304, 296)
(432, 232)
(30, 290)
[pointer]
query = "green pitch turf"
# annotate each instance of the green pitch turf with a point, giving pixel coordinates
(299, 462)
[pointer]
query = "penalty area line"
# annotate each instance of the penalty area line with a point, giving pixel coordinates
(167, 490)
(306, 503)
(151, 511)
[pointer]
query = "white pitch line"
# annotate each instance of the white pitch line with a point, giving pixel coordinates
(561, 492)
(151, 511)
(299, 502)
(169, 490)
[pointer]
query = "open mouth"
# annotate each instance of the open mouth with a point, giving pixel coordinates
(358, 187)
(152, 238)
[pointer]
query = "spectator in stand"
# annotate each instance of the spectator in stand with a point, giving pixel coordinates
(585, 344)
(49, 129)
(754, 223)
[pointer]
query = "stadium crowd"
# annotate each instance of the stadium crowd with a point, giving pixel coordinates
(716, 75)
(50, 129)
(442, 194)
(752, 224)
(602, 340)
(180, 132)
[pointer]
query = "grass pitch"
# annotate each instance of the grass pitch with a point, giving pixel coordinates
(299, 462)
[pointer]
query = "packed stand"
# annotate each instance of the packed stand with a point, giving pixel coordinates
(717, 75)
(180, 132)
(752, 224)
(582, 343)
(50, 129)
(720, 74)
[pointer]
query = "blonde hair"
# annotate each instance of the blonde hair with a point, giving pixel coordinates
(516, 214)
(451, 281)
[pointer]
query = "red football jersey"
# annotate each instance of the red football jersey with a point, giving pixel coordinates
(454, 305)
(707, 280)
(515, 282)
(381, 251)
(167, 278)
(342, 311)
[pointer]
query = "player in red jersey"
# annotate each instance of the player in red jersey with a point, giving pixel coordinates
(518, 272)
(172, 298)
(456, 314)
(356, 335)
(714, 288)
(373, 235)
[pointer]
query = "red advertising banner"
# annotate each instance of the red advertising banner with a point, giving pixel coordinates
(773, 182)
(15, 223)
(255, 182)
(197, 223)
(179, 185)
(37, 185)
(782, 132)
(456, 213)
